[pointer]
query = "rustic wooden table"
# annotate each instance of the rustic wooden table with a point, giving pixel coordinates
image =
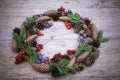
(104, 13)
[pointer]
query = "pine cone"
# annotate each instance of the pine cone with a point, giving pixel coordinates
(55, 17)
(87, 21)
(40, 25)
(31, 31)
(16, 30)
(89, 61)
(95, 54)
(34, 44)
(77, 27)
(96, 44)
(54, 59)
(88, 32)
(59, 14)
(79, 66)
(66, 56)
(68, 12)
(54, 72)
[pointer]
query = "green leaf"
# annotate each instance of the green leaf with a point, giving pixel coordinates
(100, 34)
(88, 48)
(78, 51)
(104, 40)
(86, 40)
(77, 16)
(34, 57)
(27, 20)
(69, 68)
(15, 36)
(60, 70)
(26, 58)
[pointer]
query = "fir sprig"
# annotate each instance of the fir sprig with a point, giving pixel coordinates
(100, 37)
(61, 66)
(31, 20)
(75, 18)
(30, 52)
(83, 46)
(20, 38)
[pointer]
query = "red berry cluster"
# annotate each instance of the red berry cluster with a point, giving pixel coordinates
(39, 33)
(57, 55)
(61, 9)
(39, 47)
(68, 25)
(19, 57)
(69, 52)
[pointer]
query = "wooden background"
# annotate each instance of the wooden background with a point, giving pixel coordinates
(104, 13)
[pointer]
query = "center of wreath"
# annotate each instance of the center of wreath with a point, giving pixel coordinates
(57, 39)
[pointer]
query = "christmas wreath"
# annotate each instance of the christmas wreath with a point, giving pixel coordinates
(24, 42)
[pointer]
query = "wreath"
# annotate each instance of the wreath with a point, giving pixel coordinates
(24, 42)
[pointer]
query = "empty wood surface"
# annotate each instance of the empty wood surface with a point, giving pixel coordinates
(104, 13)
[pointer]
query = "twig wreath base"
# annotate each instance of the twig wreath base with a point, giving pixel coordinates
(24, 42)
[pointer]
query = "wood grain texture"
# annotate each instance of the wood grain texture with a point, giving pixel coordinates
(104, 13)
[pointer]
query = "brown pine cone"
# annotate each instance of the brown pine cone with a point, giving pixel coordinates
(95, 54)
(77, 27)
(88, 32)
(87, 21)
(40, 25)
(89, 61)
(66, 56)
(79, 66)
(55, 17)
(96, 44)
(16, 30)
(31, 31)
(68, 12)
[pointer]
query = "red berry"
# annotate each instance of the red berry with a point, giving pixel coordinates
(28, 35)
(47, 62)
(40, 45)
(38, 48)
(70, 52)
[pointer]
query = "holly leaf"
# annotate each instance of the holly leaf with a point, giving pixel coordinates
(104, 40)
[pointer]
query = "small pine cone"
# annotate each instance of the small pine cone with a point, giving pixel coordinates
(68, 12)
(16, 30)
(95, 54)
(54, 72)
(54, 59)
(87, 21)
(34, 44)
(79, 66)
(89, 61)
(59, 14)
(31, 31)
(66, 56)
(40, 25)
(77, 27)
(88, 32)
(55, 17)
(96, 44)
